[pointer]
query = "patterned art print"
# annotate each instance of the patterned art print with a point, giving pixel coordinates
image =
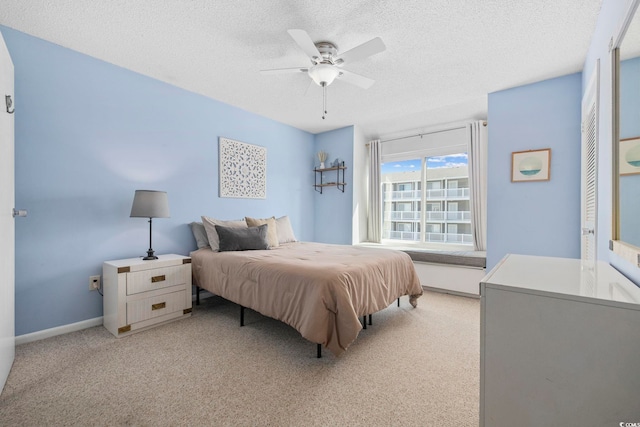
(243, 170)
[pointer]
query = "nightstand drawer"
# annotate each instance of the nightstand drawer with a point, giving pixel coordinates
(160, 305)
(157, 278)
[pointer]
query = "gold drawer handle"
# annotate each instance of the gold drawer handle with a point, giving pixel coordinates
(156, 279)
(158, 306)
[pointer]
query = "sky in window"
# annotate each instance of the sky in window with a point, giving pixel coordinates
(450, 161)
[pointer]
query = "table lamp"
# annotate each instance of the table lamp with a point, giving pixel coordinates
(150, 204)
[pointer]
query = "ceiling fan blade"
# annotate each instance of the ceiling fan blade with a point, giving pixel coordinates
(306, 44)
(363, 51)
(285, 70)
(355, 79)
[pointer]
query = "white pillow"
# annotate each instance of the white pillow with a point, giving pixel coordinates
(212, 234)
(285, 232)
(272, 233)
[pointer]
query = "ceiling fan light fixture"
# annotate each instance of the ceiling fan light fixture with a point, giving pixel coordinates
(323, 73)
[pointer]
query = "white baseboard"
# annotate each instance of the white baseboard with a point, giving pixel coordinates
(65, 329)
(450, 292)
(59, 330)
(97, 321)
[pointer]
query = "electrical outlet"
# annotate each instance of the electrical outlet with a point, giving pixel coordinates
(94, 283)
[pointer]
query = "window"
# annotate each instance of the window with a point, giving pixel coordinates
(403, 206)
(446, 219)
(434, 207)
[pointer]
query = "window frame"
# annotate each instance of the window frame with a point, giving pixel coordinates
(422, 155)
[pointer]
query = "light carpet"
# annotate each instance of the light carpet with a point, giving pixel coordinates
(412, 367)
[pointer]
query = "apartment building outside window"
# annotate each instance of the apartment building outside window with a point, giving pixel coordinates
(446, 218)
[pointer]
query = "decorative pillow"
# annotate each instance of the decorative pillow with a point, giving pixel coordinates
(197, 228)
(212, 234)
(242, 239)
(272, 232)
(285, 232)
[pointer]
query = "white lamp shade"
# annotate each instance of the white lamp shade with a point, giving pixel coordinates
(150, 204)
(323, 73)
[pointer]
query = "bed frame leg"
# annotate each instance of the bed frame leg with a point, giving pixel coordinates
(197, 295)
(319, 351)
(371, 319)
(364, 322)
(398, 301)
(241, 316)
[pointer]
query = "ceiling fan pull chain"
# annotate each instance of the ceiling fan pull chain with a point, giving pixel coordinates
(324, 100)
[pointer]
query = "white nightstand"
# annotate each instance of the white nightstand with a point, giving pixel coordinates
(141, 294)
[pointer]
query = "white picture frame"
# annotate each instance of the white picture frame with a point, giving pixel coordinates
(242, 169)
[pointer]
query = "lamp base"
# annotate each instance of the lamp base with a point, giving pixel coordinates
(150, 256)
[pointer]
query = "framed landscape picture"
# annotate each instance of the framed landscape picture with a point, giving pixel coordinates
(531, 165)
(629, 160)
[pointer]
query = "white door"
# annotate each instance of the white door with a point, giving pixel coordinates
(7, 248)
(589, 168)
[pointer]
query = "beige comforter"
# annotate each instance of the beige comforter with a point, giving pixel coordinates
(321, 290)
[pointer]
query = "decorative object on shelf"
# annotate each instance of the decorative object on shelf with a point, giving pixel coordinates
(322, 156)
(629, 162)
(531, 165)
(337, 162)
(243, 170)
(150, 204)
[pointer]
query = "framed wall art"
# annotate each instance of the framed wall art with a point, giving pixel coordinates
(629, 160)
(243, 169)
(531, 165)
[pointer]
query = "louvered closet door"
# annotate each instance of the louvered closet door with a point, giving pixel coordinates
(590, 168)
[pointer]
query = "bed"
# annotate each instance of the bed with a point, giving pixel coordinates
(321, 290)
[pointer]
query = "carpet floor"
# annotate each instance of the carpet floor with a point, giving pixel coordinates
(412, 367)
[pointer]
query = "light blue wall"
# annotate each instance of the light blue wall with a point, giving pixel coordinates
(630, 98)
(535, 218)
(334, 209)
(610, 19)
(87, 134)
(630, 128)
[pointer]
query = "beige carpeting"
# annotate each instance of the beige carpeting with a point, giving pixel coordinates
(412, 367)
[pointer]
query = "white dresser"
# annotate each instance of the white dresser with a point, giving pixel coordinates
(139, 294)
(559, 344)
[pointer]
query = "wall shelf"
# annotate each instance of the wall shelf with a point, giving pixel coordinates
(339, 183)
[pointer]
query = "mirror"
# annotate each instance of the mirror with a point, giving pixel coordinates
(626, 150)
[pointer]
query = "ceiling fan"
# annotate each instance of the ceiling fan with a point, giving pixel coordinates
(326, 62)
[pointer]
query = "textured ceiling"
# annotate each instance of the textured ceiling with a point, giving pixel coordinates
(442, 59)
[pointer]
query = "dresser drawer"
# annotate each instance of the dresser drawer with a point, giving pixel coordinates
(148, 308)
(157, 278)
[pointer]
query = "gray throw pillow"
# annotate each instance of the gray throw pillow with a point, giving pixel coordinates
(242, 239)
(200, 234)
(212, 234)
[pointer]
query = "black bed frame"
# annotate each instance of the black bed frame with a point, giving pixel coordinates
(319, 346)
